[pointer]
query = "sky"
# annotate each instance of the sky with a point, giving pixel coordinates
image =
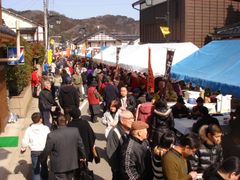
(78, 9)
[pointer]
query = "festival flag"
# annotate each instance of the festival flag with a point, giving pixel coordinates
(165, 30)
(150, 79)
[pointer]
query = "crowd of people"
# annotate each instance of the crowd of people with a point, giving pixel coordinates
(141, 141)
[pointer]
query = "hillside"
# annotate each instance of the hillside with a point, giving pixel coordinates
(70, 28)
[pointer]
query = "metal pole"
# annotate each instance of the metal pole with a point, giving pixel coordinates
(45, 9)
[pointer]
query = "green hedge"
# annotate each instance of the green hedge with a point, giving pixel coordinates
(19, 76)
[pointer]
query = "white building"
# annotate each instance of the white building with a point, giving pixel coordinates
(29, 30)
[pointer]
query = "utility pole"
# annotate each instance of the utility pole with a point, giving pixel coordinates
(45, 9)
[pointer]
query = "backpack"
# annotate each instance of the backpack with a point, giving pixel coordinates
(145, 111)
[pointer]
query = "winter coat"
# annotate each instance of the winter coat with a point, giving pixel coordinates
(110, 121)
(93, 96)
(160, 123)
(69, 97)
(136, 160)
(110, 92)
(46, 100)
(131, 103)
(144, 111)
(207, 154)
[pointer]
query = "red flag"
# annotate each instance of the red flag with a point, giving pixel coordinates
(150, 79)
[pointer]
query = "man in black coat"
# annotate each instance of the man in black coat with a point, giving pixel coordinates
(68, 96)
(85, 130)
(46, 102)
(110, 92)
(65, 148)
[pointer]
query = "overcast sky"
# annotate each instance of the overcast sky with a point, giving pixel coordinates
(78, 9)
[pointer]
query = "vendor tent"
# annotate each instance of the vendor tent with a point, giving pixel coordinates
(107, 55)
(138, 58)
(216, 66)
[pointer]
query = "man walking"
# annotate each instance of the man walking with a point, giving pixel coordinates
(116, 137)
(46, 102)
(65, 148)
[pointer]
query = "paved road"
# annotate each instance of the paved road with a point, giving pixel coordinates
(16, 166)
(101, 170)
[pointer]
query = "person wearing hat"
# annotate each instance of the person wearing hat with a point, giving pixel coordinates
(136, 155)
(179, 110)
(94, 99)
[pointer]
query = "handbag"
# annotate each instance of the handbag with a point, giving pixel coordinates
(96, 156)
(85, 173)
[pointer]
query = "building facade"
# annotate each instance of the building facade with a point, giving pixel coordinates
(188, 20)
(29, 30)
(6, 36)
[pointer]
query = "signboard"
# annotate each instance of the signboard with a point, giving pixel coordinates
(12, 53)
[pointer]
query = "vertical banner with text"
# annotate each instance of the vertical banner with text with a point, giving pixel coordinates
(117, 61)
(150, 79)
(169, 60)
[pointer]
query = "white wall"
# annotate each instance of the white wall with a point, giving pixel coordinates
(10, 20)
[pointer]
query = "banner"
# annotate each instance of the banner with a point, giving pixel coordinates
(50, 56)
(165, 30)
(169, 59)
(150, 79)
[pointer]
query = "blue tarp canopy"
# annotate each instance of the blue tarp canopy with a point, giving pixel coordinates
(216, 66)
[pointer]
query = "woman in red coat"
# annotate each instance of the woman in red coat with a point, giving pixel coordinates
(94, 99)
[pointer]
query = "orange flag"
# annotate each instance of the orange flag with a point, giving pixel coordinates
(150, 79)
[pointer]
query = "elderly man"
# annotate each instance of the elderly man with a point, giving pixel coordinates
(46, 102)
(136, 155)
(117, 136)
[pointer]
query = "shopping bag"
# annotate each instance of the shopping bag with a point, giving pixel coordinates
(85, 173)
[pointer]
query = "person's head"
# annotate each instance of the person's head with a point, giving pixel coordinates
(68, 80)
(167, 140)
(230, 168)
(75, 113)
(180, 100)
(203, 111)
(114, 105)
(214, 133)
(160, 104)
(139, 130)
(47, 84)
(126, 119)
(36, 118)
(189, 144)
(123, 91)
(149, 97)
(200, 101)
(62, 120)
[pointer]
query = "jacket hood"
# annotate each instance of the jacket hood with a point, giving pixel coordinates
(165, 113)
(146, 108)
(68, 89)
(36, 128)
(203, 135)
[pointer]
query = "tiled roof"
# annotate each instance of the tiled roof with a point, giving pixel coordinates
(6, 30)
(228, 30)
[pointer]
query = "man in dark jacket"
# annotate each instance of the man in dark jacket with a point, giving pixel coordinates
(46, 102)
(68, 97)
(110, 91)
(85, 130)
(136, 155)
(128, 102)
(65, 148)
(116, 137)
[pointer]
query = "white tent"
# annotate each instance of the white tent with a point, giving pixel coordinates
(135, 57)
(138, 59)
(107, 56)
